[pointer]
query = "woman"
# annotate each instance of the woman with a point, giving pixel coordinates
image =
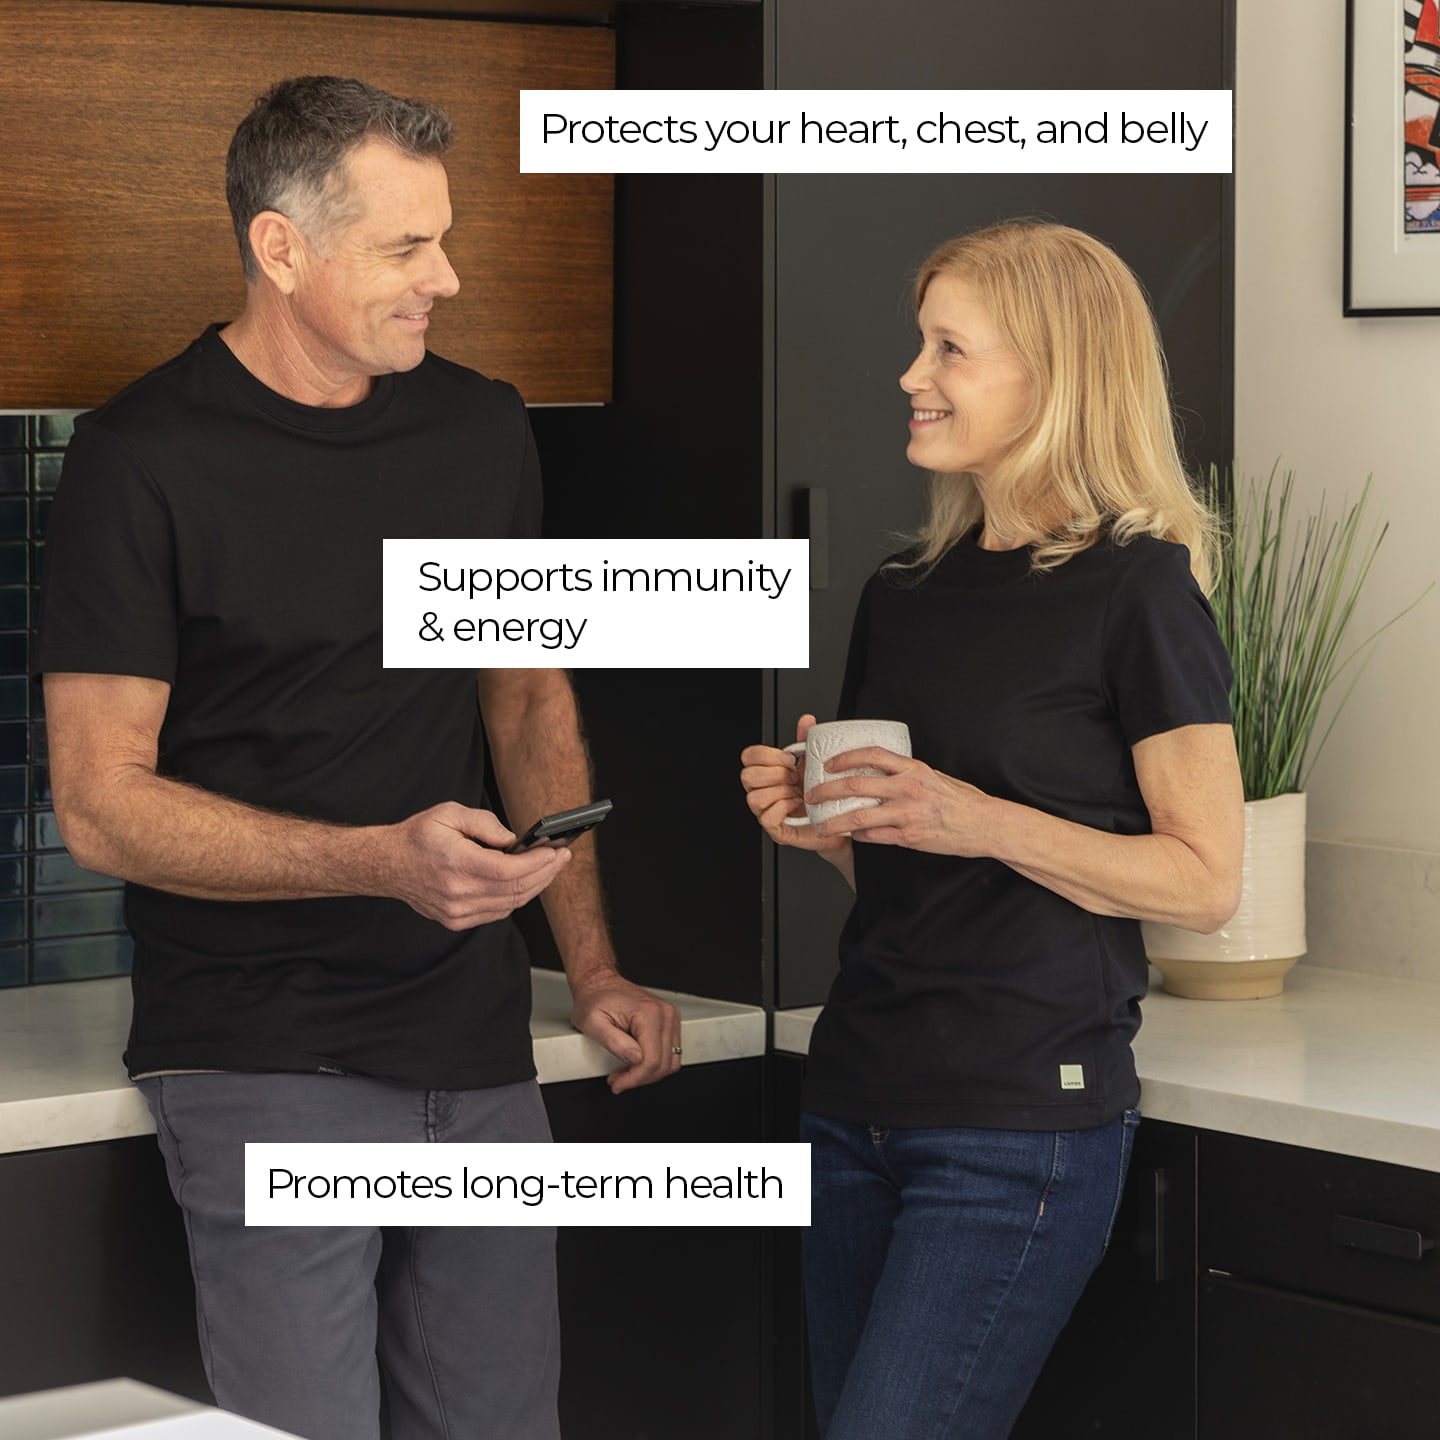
(970, 1095)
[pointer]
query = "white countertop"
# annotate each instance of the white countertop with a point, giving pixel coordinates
(1340, 1061)
(62, 1081)
(120, 1408)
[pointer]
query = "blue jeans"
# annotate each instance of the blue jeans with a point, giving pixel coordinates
(298, 1323)
(941, 1264)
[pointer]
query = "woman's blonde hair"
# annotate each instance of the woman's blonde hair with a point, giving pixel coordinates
(1095, 456)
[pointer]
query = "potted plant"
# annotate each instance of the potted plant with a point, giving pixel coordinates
(1285, 597)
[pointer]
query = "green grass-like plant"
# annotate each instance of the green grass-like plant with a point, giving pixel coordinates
(1286, 594)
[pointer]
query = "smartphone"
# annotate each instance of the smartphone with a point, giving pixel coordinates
(563, 827)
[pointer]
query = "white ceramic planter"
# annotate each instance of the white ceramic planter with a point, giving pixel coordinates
(1249, 956)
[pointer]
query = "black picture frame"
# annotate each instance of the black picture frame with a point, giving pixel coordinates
(1388, 270)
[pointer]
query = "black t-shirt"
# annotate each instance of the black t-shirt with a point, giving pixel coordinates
(210, 533)
(969, 995)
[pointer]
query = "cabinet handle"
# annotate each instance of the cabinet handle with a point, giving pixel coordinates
(1151, 1242)
(817, 526)
(1391, 1240)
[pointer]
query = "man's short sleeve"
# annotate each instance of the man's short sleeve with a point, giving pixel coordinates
(1165, 664)
(108, 597)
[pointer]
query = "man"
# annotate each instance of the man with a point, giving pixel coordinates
(322, 949)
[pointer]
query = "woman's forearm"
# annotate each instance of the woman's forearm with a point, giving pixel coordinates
(1144, 877)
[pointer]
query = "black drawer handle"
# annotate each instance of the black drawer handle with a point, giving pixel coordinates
(1391, 1240)
(817, 526)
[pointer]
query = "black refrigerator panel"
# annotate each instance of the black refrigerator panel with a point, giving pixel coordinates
(847, 249)
(678, 453)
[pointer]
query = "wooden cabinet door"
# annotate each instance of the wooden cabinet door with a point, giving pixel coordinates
(116, 247)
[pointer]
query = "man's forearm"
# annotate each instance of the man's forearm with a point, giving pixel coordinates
(542, 766)
(119, 815)
(173, 836)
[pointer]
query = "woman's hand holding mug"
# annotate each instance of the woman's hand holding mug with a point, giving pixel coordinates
(774, 782)
(914, 806)
(820, 749)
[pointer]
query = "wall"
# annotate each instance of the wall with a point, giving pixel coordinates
(1337, 399)
(57, 921)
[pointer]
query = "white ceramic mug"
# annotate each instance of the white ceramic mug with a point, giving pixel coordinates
(834, 737)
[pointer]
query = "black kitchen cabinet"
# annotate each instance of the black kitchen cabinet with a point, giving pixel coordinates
(1254, 1291)
(97, 1279)
(791, 1408)
(664, 1329)
(1125, 1363)
(1279, 1366)
(96, 1275)
(1331, 1226)
(1319, 1302)
(1251, 1291)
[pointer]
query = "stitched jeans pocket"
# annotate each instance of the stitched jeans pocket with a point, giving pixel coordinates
(1130, 1123)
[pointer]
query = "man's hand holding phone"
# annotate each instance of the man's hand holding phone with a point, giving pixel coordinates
(563, 827)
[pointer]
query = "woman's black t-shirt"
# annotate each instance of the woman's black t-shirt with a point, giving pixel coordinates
(969, 995)
(210, 533)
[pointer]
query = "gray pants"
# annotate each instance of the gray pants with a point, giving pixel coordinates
(297, 1324)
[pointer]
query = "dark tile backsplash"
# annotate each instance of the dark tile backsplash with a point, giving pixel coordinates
(57, 921)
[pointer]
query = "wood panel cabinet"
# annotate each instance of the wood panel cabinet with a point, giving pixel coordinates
(118, 248)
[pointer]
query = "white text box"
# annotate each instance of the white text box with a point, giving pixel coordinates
(579, 1183)
(787, 132)
(586, 604)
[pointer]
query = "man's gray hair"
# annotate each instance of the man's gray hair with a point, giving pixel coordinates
(289, 152)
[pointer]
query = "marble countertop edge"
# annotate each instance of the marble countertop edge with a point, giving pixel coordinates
(52, 1122)
(1340, 1061)
(1338, 1132)
(62, 1081)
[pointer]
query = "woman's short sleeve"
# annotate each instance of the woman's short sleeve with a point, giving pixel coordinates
(1165, 664)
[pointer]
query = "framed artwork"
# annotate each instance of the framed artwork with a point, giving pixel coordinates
(1392, 158)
